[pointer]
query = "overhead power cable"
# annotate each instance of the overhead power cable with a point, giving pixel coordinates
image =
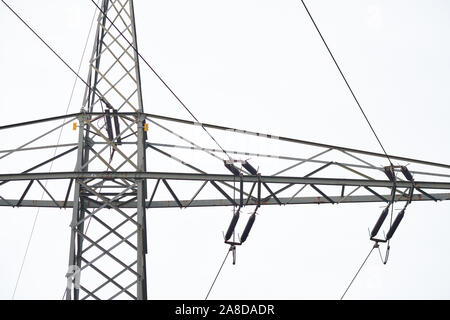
(217, 275)
(52, 50)
(143, 59)
(161, 79)
(357, 272)
(54, 154)
(346, 82)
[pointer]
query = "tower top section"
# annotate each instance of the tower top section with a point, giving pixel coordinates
(114, 64)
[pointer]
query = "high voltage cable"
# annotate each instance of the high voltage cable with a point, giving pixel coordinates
(87, 85)
(52, 50)
(365, 116)
(346, 82)
(217, 275)
(160, 78)
(57, 143)
(357, 272)
(95, 90)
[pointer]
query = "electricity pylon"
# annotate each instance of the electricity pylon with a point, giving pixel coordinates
(108, 242)
(114, 85)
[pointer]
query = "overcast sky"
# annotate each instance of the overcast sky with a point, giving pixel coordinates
(257, 65)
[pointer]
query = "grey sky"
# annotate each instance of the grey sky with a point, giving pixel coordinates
(258, 65)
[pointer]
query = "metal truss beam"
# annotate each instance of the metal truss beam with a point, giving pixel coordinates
(218, 178)
(225, 203)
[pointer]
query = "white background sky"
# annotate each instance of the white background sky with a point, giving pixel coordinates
(258, 65)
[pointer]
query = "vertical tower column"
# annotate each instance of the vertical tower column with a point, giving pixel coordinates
(108, 242)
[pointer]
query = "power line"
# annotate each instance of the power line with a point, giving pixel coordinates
(57, 144)
(160, 79)
(346, 82)
(94, 90)
(217, 275)
(137, 52)
(362, 265)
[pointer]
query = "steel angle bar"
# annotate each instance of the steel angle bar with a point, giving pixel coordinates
(89, 293)
(231, 200)
(124, 203)
(322, 193)
(115, 39)
(40, 147)
(224, 202)
(349, 194)
(113, 144)
(412, 171)
(189, 166)
(9, 204)
(117, 60)
(114, 88)
(120, 16)
(295, 194)
(250, 194)
(35, 139)
(106, 202)
(217, 178)
(376, 194)
(184, 139)
(127, 100)
(94, 59)
(27, 123)
(48, 193)
(108, 233)
(345, 150)
(298, 141)
(124, 10)
(43, 163)
(363, 175)
(153, 193)
(109, 143)
(354, 171)
(124, 289)
(301, 162)
(112, 278)
(24, 193)
(112, 231)
(109, 280)
(174, 196)
(271, 192)
(108, 252)
(279, 191)
(120, 79)
(426, 194)
(196, 193)
(103, 160)
(306, 176)
(280, 157)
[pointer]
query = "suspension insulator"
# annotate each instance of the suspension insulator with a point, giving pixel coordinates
(389, 173)
(406, 173)
(109, 125)
(233, 223)
(117, 127)
(395, 224)
(379, 222)
(232, 168)
(250, 168)
(248, 227)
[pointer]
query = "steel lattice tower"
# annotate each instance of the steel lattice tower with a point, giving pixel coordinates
(108, 184)
(114, 85)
